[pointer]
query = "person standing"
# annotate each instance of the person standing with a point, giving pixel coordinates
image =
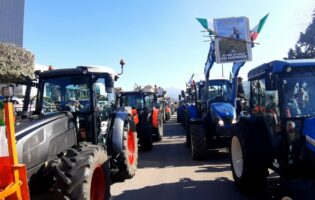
(236, 33)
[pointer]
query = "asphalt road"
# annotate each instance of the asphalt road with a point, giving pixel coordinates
(168, 172)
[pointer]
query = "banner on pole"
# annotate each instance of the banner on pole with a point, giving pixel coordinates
(232, 40)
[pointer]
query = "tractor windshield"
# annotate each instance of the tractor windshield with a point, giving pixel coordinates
(299, 93)
(220, 90)
(134, 100)
(66, 93)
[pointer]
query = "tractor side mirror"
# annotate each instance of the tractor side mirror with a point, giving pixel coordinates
(122, 63)
(109, 83)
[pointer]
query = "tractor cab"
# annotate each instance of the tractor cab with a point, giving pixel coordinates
(219, 90)
(282, 98)
(86, 92)
(138, 100)
(280, 129)
(218, 97)
(146, 110)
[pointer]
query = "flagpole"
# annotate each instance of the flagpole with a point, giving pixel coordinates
(222, 71)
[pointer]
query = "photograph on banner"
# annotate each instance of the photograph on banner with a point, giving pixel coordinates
(232, 41)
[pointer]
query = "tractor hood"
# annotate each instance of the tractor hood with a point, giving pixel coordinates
(309, 132)
(41, 137)
(36, 122)
(223, 110)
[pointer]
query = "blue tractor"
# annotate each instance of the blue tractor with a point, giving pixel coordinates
(213, 113)
(181, 109)
(279, 132)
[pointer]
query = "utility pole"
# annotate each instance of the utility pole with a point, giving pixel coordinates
(222, 71)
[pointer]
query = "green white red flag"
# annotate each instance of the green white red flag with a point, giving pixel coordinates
(207, 24)
(256, 30)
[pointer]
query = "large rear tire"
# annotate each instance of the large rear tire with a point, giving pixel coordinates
(199, 146)
(248, 159)
(82, 173)
(127, 160)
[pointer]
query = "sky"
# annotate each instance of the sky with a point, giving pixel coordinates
(161, 41)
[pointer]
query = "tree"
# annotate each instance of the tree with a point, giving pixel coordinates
(305, 46)
(15, 61)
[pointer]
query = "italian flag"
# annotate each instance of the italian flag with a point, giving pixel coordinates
(256, 30)
(207, 24)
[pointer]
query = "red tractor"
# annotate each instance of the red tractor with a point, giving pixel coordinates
(147, 116)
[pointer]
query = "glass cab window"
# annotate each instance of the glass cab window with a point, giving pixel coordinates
(102, 98)
(219, 90)
(134, 100)
(265, 103)
(258, 98)
(66, 93)
(149, 100)
(299, 95)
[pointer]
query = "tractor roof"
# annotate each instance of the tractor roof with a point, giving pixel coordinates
(218, 81)
(278, 66)
(136, 92)
(92, 69)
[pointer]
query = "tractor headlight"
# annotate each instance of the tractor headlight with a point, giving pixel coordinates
(234, 120)
(221, 122)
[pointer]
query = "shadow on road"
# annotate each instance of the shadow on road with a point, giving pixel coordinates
(187, 189)
(172, 152)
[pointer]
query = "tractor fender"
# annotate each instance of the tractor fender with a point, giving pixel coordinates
(118, 127)
(155, 118)
(192, 111)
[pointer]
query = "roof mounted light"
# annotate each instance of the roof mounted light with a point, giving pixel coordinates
(122, 63)
(84, 71)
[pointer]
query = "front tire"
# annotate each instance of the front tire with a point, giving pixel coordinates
(248, 162)
(198, 142)
(127, 160)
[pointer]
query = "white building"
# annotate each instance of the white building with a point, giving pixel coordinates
(11, 21)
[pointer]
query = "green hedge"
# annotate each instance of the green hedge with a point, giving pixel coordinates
(13, 62)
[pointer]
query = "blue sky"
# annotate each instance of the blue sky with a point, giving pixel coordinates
(160, 40)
